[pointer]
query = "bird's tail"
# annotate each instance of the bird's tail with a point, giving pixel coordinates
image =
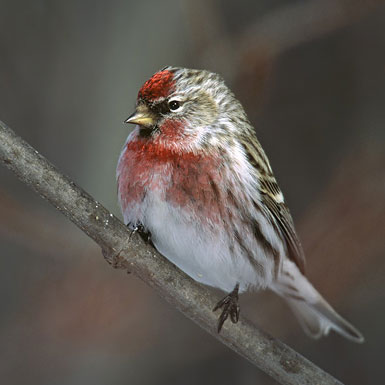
(315, 315)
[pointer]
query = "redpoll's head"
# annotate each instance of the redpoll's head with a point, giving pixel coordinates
(193, 107)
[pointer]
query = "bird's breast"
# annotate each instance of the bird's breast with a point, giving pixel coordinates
(183, 179)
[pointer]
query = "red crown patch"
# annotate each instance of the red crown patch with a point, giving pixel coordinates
(158, 86)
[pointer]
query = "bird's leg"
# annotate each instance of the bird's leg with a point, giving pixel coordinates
(132, 231)
(144, 234)
(230, 306)
(114, 257)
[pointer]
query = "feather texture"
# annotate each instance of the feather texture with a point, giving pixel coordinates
(198, 180)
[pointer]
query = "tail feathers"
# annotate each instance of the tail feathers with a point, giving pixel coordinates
(317, 319)
(315, 315)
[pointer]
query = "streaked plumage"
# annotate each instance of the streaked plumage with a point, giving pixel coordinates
(193, 174)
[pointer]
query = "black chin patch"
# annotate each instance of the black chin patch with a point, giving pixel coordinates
(147, 132)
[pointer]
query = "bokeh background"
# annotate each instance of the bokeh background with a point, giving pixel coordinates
(311, 75)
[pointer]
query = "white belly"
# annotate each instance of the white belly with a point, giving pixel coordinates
(200, 250)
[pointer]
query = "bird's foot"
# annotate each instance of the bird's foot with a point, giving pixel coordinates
(144, 234)
(132, 231)
(230, 306)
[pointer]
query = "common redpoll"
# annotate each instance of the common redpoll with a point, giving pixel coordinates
(193, 175)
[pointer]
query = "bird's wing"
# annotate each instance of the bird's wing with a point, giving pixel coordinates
(273, 201)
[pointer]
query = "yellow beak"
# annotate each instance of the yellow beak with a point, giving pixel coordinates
(141, 116)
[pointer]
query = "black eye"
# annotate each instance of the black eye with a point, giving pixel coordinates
(174, 105)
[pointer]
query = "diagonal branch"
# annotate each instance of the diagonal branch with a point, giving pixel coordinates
(131, 253)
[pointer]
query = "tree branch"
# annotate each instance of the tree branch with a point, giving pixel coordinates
(131, 253)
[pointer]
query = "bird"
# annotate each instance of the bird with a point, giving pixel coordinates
(195, 182)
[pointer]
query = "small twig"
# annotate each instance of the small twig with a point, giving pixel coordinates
(196, 302)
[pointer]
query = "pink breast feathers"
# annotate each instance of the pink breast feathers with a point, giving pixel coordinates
(185, 180)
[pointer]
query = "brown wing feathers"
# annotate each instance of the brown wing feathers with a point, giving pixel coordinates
(277, 211)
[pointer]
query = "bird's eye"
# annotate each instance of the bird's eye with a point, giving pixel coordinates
(174, 105)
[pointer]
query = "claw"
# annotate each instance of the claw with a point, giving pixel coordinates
(144, 234)
(133, 231)
(229, 306)
(234, 314)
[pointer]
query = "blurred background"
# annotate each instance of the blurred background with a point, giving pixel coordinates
(311, 75)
